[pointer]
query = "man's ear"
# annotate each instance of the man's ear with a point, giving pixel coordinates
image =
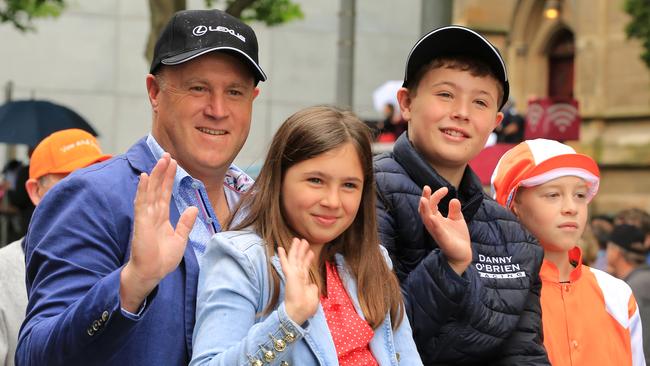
(153, 90)
(31, 185)
(404, 100)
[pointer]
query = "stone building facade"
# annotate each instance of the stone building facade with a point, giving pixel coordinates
(586, 50)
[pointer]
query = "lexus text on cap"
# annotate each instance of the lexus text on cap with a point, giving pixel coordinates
(535, 162)
(64, 152)
(452, 41)
(192, 33)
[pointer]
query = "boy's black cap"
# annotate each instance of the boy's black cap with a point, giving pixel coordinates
(455, 40)
(629, 237)
(192, 33)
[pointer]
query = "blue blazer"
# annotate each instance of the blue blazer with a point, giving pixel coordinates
(234, 290)
(78, 241)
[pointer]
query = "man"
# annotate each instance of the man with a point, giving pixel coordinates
(626, 259)
(54, 158)
(95, 295)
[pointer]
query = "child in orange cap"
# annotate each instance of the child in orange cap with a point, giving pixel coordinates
(588, 316)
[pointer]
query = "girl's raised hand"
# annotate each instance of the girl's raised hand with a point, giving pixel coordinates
(301, 296)
(450, 232)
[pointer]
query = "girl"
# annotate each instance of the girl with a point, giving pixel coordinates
(304, 282)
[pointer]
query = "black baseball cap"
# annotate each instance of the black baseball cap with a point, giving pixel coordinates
(452, 41)
(192, 33)
(629, 237)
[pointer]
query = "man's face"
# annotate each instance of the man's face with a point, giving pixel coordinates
(202, 112)
(451, 116)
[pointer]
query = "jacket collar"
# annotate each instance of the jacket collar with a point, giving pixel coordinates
(140, 156)
(469, 192)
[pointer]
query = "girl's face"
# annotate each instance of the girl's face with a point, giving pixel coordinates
(321, 196)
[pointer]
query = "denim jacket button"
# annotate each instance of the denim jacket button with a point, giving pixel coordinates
(279, 345)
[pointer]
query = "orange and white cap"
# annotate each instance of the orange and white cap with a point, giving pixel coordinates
(535, 162)
(64, 152)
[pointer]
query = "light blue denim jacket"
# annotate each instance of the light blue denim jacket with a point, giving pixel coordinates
(233, 291)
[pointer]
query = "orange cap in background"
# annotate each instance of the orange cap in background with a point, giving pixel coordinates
(65, 151)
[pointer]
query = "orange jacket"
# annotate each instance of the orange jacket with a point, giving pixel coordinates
(591, 320)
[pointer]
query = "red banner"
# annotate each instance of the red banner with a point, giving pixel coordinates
(552, 119)
(485, 162)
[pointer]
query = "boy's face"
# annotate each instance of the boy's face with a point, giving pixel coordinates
(555, 212)
(451, 115)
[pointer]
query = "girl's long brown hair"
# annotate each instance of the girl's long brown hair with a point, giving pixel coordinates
(305, 135)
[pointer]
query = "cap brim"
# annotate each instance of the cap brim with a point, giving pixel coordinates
(568, 162)
(189, 55)
(576, 165)
(456, 41)
(80, 163)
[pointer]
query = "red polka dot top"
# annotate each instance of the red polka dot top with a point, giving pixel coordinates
(351, 334)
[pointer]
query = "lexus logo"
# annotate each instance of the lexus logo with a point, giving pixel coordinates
(199, 30)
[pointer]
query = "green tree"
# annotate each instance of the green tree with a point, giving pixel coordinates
(639, 26)
(271, 12)
(20, 13)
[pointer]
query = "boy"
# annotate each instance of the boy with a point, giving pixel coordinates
(590, 317)
(487, 312)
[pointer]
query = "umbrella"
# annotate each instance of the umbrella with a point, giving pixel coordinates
(30, 121)
(386, 94)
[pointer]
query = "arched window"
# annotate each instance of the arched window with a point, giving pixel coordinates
(560, 65)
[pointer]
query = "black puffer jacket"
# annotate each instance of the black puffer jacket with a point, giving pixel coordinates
(489, 316)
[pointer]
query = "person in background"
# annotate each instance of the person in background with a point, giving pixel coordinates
(19, 199)
(626, 259)
(637, 217)
(633, 216)
(511, 128)
(589, 317)
(53, 159)
(468, 269)
(98, 295)
(601, 226)
(10, 215)
(9, 173)
(391, 126)
(588, 243)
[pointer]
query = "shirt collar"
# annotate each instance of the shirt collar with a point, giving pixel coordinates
(549, 271)
(235, 178)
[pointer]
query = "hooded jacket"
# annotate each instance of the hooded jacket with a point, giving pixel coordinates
(491, 314)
